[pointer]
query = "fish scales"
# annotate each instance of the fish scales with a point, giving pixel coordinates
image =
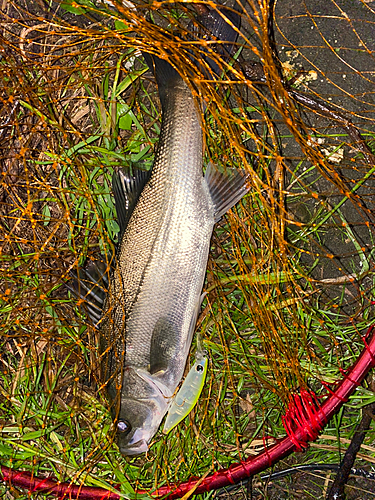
(160, 265)
(161, 261)
(166, 218)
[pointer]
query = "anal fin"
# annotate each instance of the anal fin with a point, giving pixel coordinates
(226, 189)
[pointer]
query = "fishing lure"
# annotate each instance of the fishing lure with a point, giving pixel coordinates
(189, 393)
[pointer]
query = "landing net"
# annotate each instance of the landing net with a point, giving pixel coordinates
(290, 275)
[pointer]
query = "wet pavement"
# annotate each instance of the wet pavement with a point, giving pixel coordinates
(334, 42)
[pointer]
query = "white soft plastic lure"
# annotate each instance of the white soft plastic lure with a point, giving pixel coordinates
(188, 395)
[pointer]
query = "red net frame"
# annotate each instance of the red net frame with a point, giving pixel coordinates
(304, 420)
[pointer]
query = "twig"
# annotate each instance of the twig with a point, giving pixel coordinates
(337, 490)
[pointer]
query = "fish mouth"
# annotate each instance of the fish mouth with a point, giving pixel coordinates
(137, 448)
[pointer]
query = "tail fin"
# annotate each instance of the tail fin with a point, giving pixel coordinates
(165, 74)
(221, 25)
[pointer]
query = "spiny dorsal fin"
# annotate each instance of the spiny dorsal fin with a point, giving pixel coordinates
(91, 285)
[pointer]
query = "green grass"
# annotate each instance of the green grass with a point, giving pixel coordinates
(267, 325)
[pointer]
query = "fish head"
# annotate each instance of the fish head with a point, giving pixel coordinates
(142, 408)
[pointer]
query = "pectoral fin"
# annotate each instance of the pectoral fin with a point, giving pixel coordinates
(154, 381)
(163, 346)
(226, 189)
(165, 341)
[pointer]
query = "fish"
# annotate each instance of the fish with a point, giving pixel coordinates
(147, 313)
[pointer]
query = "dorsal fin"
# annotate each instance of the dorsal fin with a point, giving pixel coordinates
(127, 189)
(91, 285)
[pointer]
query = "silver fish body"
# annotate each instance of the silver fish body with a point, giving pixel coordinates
(153, 297)
(155, 289)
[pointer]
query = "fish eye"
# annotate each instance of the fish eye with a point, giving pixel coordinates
(199, 368)
(123, 426)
